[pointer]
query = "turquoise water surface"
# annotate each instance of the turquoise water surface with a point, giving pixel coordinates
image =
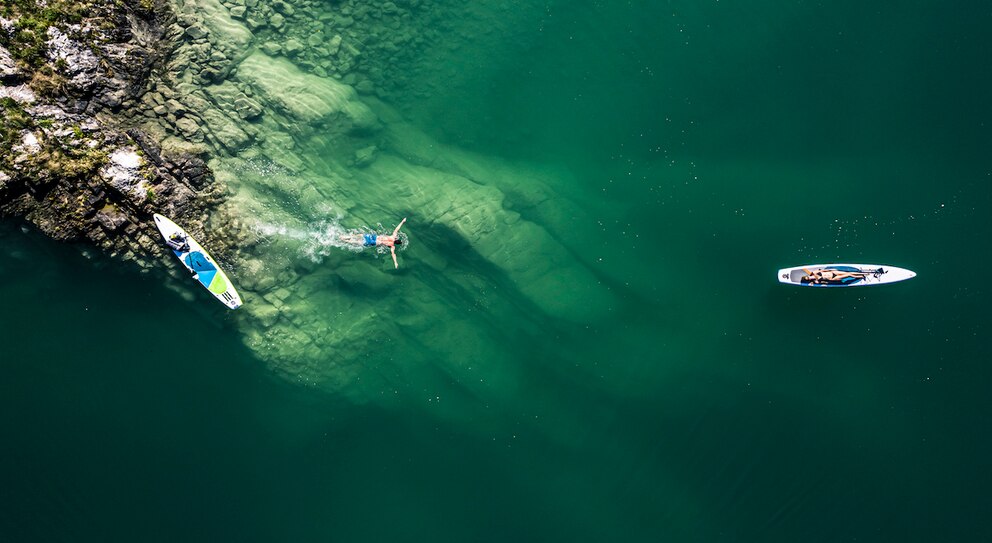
(656, 163)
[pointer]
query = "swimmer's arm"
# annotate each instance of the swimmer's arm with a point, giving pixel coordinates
(393, 251)
(400, 225)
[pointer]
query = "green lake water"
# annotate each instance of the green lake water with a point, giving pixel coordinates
(678, 393)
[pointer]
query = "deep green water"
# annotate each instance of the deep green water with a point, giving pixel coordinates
(711, 143)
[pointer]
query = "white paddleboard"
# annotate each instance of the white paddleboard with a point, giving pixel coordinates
(843, 275)
(198, 261)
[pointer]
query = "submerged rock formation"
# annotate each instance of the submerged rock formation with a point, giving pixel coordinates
(309, 149)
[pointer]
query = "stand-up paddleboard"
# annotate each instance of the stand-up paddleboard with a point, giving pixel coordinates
(198, 261)
(843, 275)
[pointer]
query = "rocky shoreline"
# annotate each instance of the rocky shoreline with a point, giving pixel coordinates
(72, 75)
(109, 111)
(266, 129)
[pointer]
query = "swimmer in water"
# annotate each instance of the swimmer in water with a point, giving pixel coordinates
(373, 240)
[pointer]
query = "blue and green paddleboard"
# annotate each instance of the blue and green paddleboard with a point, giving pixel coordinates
(843, 275)
(199, 262)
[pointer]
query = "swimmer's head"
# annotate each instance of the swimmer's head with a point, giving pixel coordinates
(397, 241)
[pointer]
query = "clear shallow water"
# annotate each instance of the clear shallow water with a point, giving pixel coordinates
(699, 149)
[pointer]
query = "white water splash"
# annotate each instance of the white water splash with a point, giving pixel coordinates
(318, 240)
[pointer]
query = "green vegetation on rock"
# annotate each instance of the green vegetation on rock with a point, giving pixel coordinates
(27, 43)
(72, 162)
(13, 120)
(63, 159)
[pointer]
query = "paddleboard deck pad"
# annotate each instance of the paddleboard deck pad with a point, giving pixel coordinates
(843, 275)
(199, 262)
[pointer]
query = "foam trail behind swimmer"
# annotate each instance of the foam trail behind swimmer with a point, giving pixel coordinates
(279, 230)
(323, 238)
(316, 240)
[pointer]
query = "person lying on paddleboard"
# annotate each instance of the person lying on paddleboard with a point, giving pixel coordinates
(832, 276)
(373, 240)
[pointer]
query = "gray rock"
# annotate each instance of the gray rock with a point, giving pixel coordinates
(202, 50)
(238, 12)
(277, 21)
(196, 31)
(111, 219)
(247, 109)
(211, 75)
(9, 74)
(225, 131)
(365, 86)
(79, 64)
(217, 57)
(293, 47)
(111, 98)
(351, 50)
(267, 314)
(186, 19)
(284, 8)
(175, 107)
(196, 102)
(21, 93)
(123, 172)
(366, 156)
(190, 129)
(271, 48)
(193, 170)
(223, 96)
(266, 282)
